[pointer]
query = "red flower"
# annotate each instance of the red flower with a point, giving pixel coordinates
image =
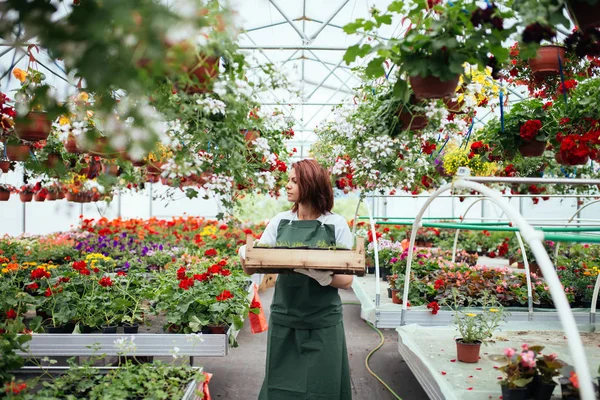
(564, 121)
(39, 273)
(32, 286)
(225, 294)
(210, 253)
(255, 304)
(225, 272)
(428, 147)
(181, 273)
(438, 284)
(14, 388)
(11, 314)
(547, 105)
(187, 283)
(105, 281)
(201, 277)
(426, 181)
(214, 269)
(530, 129)
(85, 271)
(434, 307)
(48, 292)
(79, 265)
(121, 273)
(568, 85)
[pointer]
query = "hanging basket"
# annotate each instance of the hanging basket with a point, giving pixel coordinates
(154, 168)
(532, 148)
(39, 197)
(5, 166)
(584, 14)
(432, 87)
(17, 152)
(152, 178)
(454, 106)
(34, 127)
(71, 145)
(26, 197)
(4, 196)
(52, 161)
(76, 197)
(560, 160)
(412, 122)
(101, 148)
(203, 73)
(546, 63)
(110, 169)
(51, 196)
(250, 135)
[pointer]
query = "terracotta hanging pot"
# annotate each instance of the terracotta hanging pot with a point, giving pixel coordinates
(102, 149)
(412, 122)
(51, 196)
(250, 135)
(34, 127)
(584, 14)
(5, 166)
(432, 87)
(39, 197)
(203, 73)
(154, 168)
(61, 195)
(152, 178)
(110, 169)
(467, 352)
(532, 148)
(26, 197)
(74, 197)
(71, 145)
(546, 62)
(52, 161)
(17, 152)
(4, 196)
(139, 163)
(454, 106)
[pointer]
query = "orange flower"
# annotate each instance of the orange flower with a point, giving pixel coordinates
(20, 74)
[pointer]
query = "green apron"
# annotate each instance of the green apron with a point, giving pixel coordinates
(306, 348)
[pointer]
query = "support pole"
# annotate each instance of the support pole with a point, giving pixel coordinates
(150, 200)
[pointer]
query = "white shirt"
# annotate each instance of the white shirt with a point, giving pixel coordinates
(343, 236)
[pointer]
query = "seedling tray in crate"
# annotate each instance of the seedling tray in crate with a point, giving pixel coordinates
(278, 260)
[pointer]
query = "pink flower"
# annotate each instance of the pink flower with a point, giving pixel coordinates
(509, 352)
(528, 359)
(525, 346)
(552, 357)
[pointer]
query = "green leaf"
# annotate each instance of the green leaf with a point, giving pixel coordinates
(353, 27)
(375, 67)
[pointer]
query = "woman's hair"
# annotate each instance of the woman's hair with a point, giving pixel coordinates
(314, 186)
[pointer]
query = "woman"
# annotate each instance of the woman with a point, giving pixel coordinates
(306, 349)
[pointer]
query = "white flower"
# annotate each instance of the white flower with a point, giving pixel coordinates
(175, 352)
(211, 106)
(194, 338)
(125, 344)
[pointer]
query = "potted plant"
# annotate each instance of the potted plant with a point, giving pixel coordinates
(469, 33)
(5, 191)
(519, 373)
(16, 150)
(474, 326)
(26, 192)
(547, 368)
(35, 125)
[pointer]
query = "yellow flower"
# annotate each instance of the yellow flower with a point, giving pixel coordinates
(470, 315)
(83, 96)
(20, 74)
(493, 310)
(64, 120)
(4, 270)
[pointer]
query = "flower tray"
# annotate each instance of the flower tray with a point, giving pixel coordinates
(272, 260)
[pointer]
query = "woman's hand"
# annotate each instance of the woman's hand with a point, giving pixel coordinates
(342, 281)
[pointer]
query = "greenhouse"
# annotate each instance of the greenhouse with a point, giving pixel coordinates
(299, 199)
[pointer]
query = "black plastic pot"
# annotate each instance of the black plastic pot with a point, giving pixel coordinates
(85, 329)
(55, 329)
(389, 292)
(383, 273)
(370, 270)
(109, 329)
(541, 390)
(516, 393)
(130, 328)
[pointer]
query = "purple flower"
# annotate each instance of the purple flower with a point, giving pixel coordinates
(126, 265)
(160, 247)
(78, 246)
(394, 260)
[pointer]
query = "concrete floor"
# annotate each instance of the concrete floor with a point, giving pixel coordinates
(239, 375)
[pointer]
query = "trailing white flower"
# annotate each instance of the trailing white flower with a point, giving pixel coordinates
(211, 106)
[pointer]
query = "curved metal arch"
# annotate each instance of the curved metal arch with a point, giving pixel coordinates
(534, 239)
(521, 245)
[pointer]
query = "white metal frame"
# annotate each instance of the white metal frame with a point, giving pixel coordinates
(534, 239)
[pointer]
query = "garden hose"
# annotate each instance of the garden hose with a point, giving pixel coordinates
(373, 352)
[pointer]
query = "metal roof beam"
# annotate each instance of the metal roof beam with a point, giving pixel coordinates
(324, 24)
(324, 86)
(332, 71)
(342, 28)
(265, 26)
(305, 40)
(292, 47)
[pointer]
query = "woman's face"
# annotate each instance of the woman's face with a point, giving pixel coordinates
(292, 187)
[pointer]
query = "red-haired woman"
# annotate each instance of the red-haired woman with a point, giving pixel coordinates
(306, 350)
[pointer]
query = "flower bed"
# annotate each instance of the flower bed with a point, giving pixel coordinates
(109, 273)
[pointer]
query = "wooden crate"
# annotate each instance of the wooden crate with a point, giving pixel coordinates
(273, 260)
